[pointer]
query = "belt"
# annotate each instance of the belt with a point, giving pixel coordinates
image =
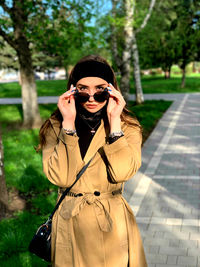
(96, 193)
(72, 206)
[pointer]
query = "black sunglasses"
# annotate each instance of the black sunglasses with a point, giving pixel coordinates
(83, 97)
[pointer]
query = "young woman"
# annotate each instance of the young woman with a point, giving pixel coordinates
(94, 225)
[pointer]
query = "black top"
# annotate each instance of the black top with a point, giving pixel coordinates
(87, 124)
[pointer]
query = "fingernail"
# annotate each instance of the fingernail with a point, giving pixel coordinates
(110, 84)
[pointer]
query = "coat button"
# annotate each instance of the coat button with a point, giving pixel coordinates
(97, 193)
(79, 195)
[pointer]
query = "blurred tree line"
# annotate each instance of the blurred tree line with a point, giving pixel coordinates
(132, 34)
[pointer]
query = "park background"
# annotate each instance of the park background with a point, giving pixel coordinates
(152, 45)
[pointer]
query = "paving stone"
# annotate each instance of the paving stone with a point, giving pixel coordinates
(188, 243)
(167, 265)
(171, 259)
(179, 235)
(187, 260)
(156, 258)
(172, 251)
(195, 236)
(194, 252)
(159, 234)
(152, 249)
(156, 242)
(174, 243)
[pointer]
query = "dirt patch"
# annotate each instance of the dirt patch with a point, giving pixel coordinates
(16, 203)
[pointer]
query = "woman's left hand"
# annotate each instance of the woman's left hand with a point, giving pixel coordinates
(116, 103)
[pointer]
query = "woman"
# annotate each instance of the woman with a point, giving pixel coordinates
(94, 225)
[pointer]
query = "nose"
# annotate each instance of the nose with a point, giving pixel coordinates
(91, 96)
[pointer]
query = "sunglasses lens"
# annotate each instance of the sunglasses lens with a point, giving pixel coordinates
(82, 97)
(101, 96)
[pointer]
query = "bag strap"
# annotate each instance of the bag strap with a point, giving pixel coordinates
(69, 188)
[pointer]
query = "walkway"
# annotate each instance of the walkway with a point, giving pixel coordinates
(54, 99)
(165, 193)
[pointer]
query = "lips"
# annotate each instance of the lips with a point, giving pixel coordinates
(91, 106)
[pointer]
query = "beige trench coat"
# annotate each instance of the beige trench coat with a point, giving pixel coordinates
(93, 230)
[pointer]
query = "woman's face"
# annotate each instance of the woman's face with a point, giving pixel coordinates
(91, 85)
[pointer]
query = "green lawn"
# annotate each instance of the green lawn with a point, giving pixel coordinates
(23, 171)
(151, 84)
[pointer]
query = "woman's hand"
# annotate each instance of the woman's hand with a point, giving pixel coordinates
(116, 103)
(66, 105)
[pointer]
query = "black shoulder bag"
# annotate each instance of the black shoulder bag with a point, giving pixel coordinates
(40, 244)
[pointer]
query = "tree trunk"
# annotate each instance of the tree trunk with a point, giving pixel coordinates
(183, 77)
(168, 73)
(126, 56)
(29, 93)
(114, 45)
(138, 85)
(3, 189)
(194, 67)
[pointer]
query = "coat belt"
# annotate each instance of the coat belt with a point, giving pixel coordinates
(72, 206)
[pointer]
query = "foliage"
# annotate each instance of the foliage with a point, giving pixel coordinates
(172, 35)
(8, 56)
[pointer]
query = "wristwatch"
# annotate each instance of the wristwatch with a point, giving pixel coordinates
(69, 131)
(114, 134)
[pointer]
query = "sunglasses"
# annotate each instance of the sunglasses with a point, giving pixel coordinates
(83, 97)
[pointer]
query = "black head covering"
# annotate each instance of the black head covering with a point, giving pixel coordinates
(92, 69)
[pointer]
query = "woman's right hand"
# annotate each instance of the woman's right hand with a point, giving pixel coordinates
(66, 105)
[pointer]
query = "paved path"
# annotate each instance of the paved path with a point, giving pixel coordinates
(54, 99)
(165, 193)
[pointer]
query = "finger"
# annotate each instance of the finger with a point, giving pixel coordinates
(72, 100)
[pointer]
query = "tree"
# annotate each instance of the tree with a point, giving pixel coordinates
(14, 27)
(130, 28)
(65, 36)
(55, 28)
(157, 42)
(187, 30)
(172, 38)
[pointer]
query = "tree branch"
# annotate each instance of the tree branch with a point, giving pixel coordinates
(152, 4)
(7, 38)
(5, 7)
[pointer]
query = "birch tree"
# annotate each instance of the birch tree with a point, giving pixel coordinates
(138, 84)
(130, 30)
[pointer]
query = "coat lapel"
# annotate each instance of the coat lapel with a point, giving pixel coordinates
(98, 140)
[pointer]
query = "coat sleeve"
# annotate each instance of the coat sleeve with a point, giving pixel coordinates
(61, 158)
(124, 155)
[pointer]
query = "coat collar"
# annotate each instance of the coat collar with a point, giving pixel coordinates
(97, 142)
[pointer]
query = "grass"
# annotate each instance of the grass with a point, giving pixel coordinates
(149, 113)
(23, 171)
(150, 84)
(157, 85)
